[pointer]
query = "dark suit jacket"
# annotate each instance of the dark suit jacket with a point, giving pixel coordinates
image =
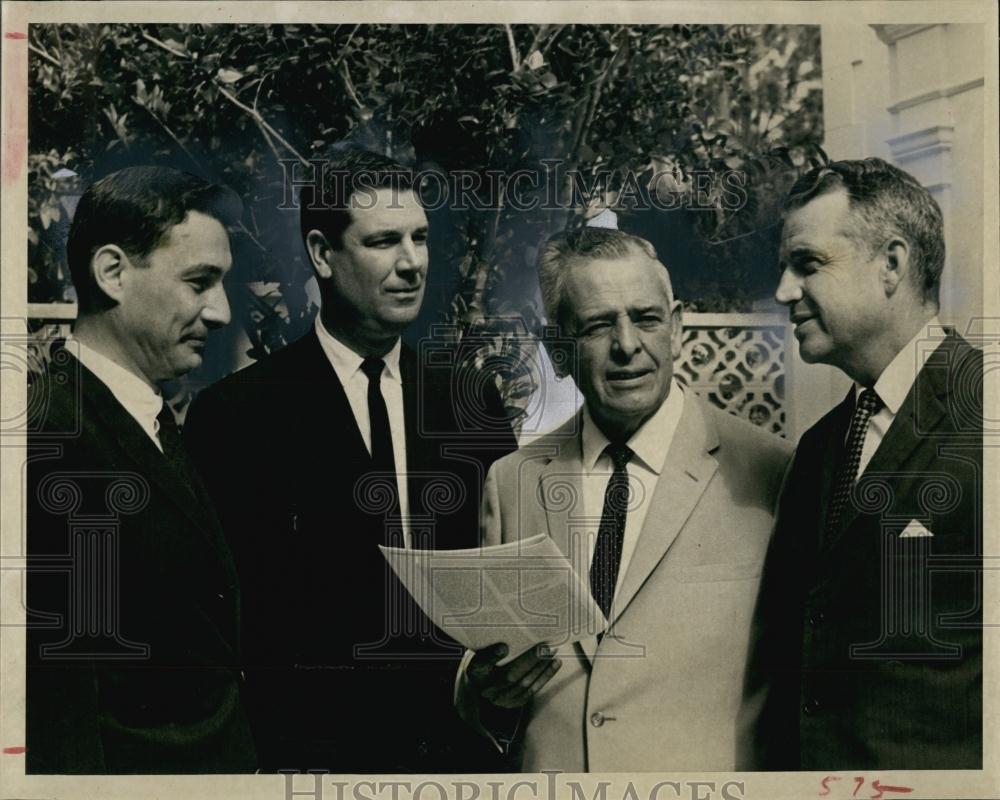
(133, 602)
(868, 645)
(344, 673)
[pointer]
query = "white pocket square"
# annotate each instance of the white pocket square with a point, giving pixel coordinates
(914, 530)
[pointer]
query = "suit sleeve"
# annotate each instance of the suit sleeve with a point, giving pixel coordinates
(770, 684)
(62, 709)
(499, 725)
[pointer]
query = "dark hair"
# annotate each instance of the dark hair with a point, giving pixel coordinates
(885, 200)
(134, 208)
(584, 244)
(345, 172)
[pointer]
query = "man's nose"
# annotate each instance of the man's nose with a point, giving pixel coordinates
(626, 341)
(789, 288)
(410, 257)
(216, 310)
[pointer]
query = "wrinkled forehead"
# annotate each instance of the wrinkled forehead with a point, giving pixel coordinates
(633, 280)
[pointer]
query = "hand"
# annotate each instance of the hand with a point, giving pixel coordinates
(513, 684)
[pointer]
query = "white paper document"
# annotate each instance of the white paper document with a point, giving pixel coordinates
(522, 593)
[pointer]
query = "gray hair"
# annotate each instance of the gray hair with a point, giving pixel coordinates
(585, 244)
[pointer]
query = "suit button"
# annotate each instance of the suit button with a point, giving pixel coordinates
(811, 707)
(597, 719)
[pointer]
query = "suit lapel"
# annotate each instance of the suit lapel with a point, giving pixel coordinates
(328, 400)
(419, 452)
(121, 431)
(687, 470)
(922, 411)
(561, 493)
(830, 453)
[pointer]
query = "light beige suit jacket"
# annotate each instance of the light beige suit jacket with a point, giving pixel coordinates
(661, 690)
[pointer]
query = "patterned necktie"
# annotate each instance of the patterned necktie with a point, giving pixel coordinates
(383, 457)
(868, 404)
(608, 551)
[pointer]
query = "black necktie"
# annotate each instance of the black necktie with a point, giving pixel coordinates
(170, 440)
(383, 458)
(868, 404)
(608, 551)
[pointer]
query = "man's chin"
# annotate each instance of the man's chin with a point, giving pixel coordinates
(813, 352)
(183, 366)
(401, 317)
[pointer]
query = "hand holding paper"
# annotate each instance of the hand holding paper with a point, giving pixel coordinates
(522, 593)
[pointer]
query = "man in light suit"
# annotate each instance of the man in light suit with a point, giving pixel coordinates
(328, 448)
(868, 635)
(675, 567)
(132, 597)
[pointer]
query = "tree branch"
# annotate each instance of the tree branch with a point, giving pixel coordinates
(164, 46)
(343, 50)
(262, 123)
(595, 101)
(44, 54)
(349, 86)
(250, 236)
(552, 38)
(254, 114)
(539, 35)
(515, 57)
(172, 135)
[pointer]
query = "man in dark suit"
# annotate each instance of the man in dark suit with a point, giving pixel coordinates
(133, 602)
(319, 453)
(868, 630)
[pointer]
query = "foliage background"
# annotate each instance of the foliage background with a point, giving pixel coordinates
(230, 102)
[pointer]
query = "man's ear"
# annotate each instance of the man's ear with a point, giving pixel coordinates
(562, 355)
(676, 328)
(108, 265)
(319, 249)
(895, 264)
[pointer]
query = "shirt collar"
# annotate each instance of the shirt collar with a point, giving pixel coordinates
(138, 397)
(346, 363)
(650, 443)
(896, 379)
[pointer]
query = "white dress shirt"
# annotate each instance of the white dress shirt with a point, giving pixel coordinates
(140, 400)
(650, 444)
(347, 364)
(894, 384)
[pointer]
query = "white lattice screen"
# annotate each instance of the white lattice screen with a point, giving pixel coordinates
(737, 363)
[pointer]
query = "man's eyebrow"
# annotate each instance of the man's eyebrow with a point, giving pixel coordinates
(394, 232)
(597, 314)
(799, 250)
(200, 268)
